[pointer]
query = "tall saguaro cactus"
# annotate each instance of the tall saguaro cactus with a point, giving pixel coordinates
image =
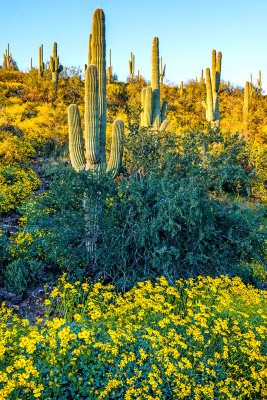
(41, 61)
(131, 67)
(162, 71)
(152, 114)
(212, 89)
(7, 58)
(109, 69)
(95, 113)
(55, 68)
(95, 116)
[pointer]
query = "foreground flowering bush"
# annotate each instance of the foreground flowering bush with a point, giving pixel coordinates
(198, 339)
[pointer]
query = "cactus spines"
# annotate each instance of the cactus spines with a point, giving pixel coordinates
(152, 114)
(162, 71)
(55, 68)
(131, 67)
(109, 69)
(99, 59)
(212, 88)
(7, 58)
(90, 50)
(259, 82)
(95, 98)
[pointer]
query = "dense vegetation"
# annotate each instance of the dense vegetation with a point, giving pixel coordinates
(184, 219)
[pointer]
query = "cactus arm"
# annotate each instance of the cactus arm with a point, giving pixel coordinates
(99, 59)
(209, 99)
(91, 117)
(164, 110)
(148, 107)
(218, 79)
(116, 151)
(90, 50)
(163, 125)
(75, 139)
(143, 105)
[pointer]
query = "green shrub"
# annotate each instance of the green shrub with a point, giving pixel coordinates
(20, 274)
(160, 224)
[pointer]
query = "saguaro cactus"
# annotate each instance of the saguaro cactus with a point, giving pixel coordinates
(259, 82)
(212, 88)
(152, 115)
(246, 101)
(95, 132)
(109, 69)
(55, 68)
(95, 114)
(131, 67)
(41, 61)
(202, 80)
(182, 88)
(7, 58)
(162, 71)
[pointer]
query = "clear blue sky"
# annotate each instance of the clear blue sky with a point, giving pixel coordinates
(188, 30)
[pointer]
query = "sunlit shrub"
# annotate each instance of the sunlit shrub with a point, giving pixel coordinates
(16, 185)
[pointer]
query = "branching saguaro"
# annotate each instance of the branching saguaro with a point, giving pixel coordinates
(55, 68)
(95, 113)
(95, 130)
(212, 89)
(152, 114)
(7, 58)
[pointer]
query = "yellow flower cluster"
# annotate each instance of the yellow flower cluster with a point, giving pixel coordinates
(16, 185)
(199, 339)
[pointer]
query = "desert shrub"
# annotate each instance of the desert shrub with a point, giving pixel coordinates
(161, 224)
(199, 339)
(20, 274)
(16, 185)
